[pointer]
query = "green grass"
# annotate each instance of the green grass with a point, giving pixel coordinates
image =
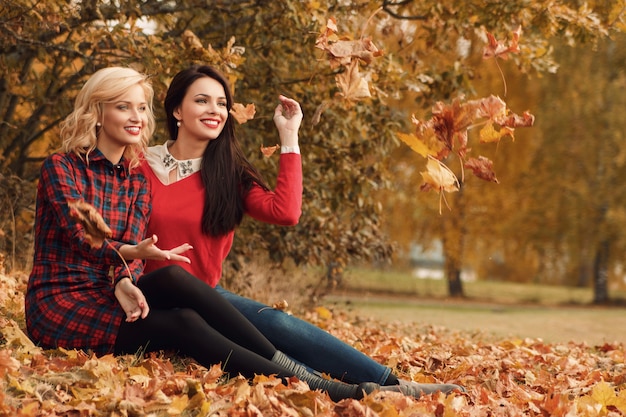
(554, 314)
(404, 283)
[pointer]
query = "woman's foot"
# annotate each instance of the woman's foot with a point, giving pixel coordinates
(426, 389)
(410, 388)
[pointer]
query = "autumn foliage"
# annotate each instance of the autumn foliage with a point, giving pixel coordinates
(446, 133)
(503, 377)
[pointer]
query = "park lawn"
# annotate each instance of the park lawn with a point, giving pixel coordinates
(496, 310)
(403, 282)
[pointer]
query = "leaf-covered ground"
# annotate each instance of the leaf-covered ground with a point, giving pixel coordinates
(514, 377)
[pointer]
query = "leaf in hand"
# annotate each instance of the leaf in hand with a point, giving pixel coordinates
(243, 113)
(96, 229)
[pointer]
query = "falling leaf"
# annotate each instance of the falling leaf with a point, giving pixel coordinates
(439, 176)
(318, 112)
(514, 120)
(268, 151)
(344, 51)
(491, 107)
(243, 113)
(353, 87)
(498, 49)
(416, 144)
(483, 168)
(96, 229)
(489, 134)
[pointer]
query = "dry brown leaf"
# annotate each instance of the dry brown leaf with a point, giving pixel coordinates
(96, 229)
(353, 87)
(482, 167)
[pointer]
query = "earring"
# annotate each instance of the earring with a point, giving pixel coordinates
(178, 123)
(98, 124)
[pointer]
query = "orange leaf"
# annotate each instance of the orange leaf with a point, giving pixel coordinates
(499, 49)
(243, 113)
(269, 150)
(514, 120)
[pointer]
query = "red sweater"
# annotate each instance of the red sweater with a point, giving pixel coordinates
(177, 214)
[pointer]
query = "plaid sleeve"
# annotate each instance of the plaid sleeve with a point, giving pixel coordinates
(138, 216)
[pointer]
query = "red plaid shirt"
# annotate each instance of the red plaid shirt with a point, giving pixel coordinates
(70, 300)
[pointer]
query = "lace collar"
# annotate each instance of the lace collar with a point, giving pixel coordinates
(162, 163)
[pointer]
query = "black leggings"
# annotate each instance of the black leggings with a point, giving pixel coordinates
(190, 317)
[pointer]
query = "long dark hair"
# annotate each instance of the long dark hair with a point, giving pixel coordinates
(226, 173)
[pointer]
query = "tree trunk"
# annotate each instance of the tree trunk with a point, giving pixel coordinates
(453, 241)
(455, 285)
(601, 273)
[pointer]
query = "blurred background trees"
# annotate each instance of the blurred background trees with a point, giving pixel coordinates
(555, 216)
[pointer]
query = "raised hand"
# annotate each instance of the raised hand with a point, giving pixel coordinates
(287, 118)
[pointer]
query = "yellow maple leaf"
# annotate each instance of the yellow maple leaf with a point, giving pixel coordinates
(599, 399)
(489, 134)
(416, 144)
(603, 393)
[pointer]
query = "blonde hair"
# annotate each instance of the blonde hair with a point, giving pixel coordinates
(78, 130)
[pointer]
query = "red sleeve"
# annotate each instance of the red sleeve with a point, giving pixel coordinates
(283, 206)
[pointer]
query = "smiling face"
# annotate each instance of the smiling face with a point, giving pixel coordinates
(203, 111)
(123, 119)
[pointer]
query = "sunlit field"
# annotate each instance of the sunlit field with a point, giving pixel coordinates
(495, 309)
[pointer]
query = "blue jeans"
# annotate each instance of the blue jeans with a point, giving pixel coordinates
(308, 344)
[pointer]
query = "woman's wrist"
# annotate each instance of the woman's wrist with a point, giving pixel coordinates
(122, 280)
(128, 252)
(289, 149)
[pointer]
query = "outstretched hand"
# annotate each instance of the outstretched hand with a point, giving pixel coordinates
(287, 118)
(150, 250)
(131, 299)
(147, 249)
